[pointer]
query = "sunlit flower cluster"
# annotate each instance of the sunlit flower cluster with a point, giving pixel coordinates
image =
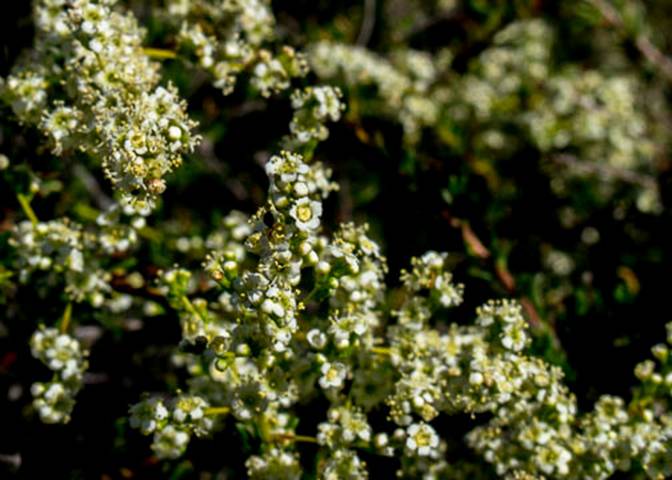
(269, 344)
(88, 86)
(402, 84)
(68, 253)
(280, 308)
(313, 106)
(63, 354)
(229, 38)
(513, 91)
(172, 423)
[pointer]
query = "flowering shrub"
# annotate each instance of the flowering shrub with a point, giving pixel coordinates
(298, 343)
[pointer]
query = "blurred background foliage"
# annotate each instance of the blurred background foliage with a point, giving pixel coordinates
(583, 243)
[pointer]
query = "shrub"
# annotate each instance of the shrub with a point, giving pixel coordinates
(295, 341)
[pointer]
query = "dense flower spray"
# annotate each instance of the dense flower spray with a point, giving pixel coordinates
(284, 310)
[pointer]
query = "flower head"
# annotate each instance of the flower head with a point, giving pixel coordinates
(306, 214)
(421, 440)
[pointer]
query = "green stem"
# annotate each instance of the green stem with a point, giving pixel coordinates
(217, 410)
(191, 309)
(159, 53)
(65, 319)
(311, 294)
(24, 201)
(149, 233)
(382, 350)
(294, 438)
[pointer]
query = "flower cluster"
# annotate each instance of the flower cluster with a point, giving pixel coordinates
(88, 86)
(519, 56)
(601, 117)
(513, 90)
(346, 426)
(284, 311)
(271, 340)
(226, 248)
(63, 354)
(274, 463)
(68, 252)
(402, 84)
(313, 106)
(227, 39)
(428, 275)
(172, 423)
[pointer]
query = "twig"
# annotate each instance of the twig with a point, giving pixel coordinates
(662, 63)
(504, 276)
(368, 22)
(92, 186)
(12, 460)
(608, 12)
(470, 239)
(294, 438)
(655, 56)
(605, 171)
(431, 22)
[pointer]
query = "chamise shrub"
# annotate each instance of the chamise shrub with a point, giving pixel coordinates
(336, 240)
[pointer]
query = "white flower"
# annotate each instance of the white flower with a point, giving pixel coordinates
(316, 339)
(514, 337)
(54, 391)
(381, 440)
(179, 415)
(300, 189)
(307, 214)
(421, 439)
(476, 378)
(174, 133)
(333, 375)
(147, 414)
(170, 442)
(76, 260)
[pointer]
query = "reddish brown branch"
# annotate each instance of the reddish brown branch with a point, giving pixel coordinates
(648, 50)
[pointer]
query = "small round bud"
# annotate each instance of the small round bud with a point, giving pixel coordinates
(230, 266)
(243, 350)
(174, 133)
(312, 258)
(323, 267)
(381, 440)
(476, 378)
(156, 186)
(305, 248)
(301, 189)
